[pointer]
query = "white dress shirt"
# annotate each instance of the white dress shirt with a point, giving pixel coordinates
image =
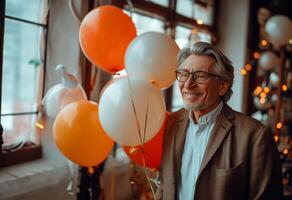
(197, 137)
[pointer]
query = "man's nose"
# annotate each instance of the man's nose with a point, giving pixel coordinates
(190, 81)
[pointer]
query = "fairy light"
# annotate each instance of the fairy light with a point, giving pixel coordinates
(263, 95)
(39, 125)
(264, 43)
(262, 100)
(258, 90)
(284, 87)
(248, 67)
(279, 125)
(266, 90)
(200, 22)
(276, 138)
(243, 72)
(285, 151)
(256, 55)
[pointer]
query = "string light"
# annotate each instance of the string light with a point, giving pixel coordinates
(257, 91)
(256, 55)
(262, 100)
(264, 42)
(200, 22)
(248, 67)
(285, 151)
(243, 72)
(263, 95)
(284, 87)
(276, 138)
(39, 125)
(266, 90)
(279, 125)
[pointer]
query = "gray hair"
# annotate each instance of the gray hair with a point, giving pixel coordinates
(222, 64)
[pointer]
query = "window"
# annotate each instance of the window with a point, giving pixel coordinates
(161, 2)
(145, 23)
(25, 26)
(196, 11)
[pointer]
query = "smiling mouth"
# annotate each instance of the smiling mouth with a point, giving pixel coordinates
(192, 94)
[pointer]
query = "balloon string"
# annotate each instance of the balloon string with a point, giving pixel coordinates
(145, 125)
(134, 110)
(143, 153)
(147, 177)
(142, 140)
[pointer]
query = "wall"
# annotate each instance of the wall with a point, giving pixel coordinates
(232, 30)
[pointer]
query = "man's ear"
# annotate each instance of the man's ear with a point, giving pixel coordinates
(223, 87)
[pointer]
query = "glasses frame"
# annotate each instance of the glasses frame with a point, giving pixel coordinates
(194, 77)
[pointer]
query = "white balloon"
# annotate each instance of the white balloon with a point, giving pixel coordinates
(268, 60)
(279, 30)
(152, 56)
(63, 93)
(50, 100)
(59, 96)
(117, 115)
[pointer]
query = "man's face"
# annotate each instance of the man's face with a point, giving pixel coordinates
(201, 97)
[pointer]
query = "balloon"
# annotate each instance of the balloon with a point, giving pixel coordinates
(79, 135)
(268, 60)
(118, 117)
(58, 97)
(279, 30)
(152, 56)
(152, 150)
(63, 93)
(104, 36)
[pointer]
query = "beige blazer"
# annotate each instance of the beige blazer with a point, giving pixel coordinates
(241, 160)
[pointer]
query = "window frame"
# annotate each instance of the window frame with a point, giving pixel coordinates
(29, 151)
(169, 14)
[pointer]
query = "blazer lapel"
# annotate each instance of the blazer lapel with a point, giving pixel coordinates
(220, 130)
(179, 141)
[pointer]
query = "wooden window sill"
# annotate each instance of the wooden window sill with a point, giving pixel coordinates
(26, 153)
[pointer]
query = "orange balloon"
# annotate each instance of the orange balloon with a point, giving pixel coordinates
(104, 36)
(79, 135)
(152, 150)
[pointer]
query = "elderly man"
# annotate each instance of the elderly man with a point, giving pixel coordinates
(210, 151)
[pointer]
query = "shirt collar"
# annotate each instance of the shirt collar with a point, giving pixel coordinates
(208, 117)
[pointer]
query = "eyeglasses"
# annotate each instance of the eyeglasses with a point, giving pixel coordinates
(198, 76)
